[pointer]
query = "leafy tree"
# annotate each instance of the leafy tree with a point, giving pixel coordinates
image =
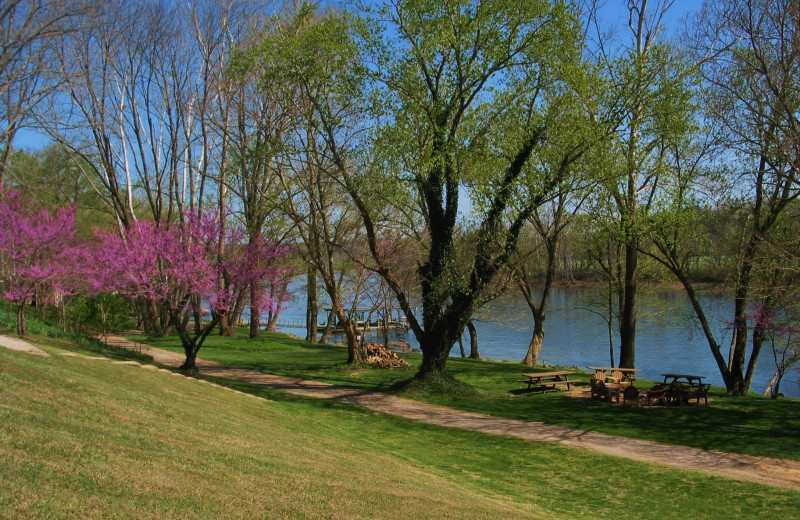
(473, 90)
(646, 107)
(307, 57)
(748, 57)
(103, 313)
(52, 178)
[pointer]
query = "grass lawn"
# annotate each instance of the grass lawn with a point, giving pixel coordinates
(752, 425)
(85, 438)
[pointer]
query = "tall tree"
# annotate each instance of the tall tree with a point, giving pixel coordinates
(473, 89)
(548, 224)
(302, 59)
(646, 105)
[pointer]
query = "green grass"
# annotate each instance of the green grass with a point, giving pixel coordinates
(83, 438)
(751, 425)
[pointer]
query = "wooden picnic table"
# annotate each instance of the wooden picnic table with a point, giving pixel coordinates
(684, 387)
(547, 380)
(676, 378)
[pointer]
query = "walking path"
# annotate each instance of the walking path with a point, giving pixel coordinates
(12, 343)
(764, 470)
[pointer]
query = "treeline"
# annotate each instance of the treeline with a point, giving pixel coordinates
(439, 153)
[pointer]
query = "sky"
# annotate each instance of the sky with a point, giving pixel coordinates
(615, 11)
(612, 13)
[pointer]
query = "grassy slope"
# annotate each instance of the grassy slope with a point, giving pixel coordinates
(753, 425)
(83, 438)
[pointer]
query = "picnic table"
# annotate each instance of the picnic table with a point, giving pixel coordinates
(684, 387)
(690, 379)
(548, 380)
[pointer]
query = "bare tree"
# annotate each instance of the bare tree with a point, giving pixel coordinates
(29, 34)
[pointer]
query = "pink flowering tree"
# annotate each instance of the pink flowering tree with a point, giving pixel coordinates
(250, 267)
(36, 251)
(175, 267)
(267, 277)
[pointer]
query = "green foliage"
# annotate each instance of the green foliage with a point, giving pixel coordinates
(55, 178)
(42, 328)
(102, 314)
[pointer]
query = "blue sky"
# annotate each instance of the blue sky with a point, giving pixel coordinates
(613, 13)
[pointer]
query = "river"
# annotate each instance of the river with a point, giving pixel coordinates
(668, 338)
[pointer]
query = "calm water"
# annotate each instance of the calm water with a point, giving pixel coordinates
(668, 338)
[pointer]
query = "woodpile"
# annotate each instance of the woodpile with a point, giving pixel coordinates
(379, 356)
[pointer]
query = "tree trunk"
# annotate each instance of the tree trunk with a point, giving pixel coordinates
(441, 333)
(434, 359)
(226, 330)
(535, 346)
(151, 319)
(190, 363)
(312, 307)
(773, 387)
(255, 309)
(354, 354)
(6, 156)
(22, 331)
(627, 329)
(473, 341)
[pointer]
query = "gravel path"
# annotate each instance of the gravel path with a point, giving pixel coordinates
(764, 470)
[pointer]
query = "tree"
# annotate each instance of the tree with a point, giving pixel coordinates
(473, 89)
(302, 57)
(549, 227)
(646, 107)
(51, 178)
(748, 58)
(262, 114)
(29, 32)
(177, 266)
(36, 249)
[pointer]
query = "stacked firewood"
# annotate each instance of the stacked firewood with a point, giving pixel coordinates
(379, 355)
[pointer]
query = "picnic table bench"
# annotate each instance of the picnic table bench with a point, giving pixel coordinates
(685, 387)
(548, 380)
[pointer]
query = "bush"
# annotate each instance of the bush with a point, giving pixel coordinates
(100, 315)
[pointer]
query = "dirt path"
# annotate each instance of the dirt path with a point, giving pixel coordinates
(764, 470)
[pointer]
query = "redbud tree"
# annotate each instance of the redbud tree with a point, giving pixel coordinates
(36, 251)
(176, 266)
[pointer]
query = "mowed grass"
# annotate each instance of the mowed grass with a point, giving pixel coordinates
(752, 425)
(88, 438)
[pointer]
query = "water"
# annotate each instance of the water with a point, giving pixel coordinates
(668, 338)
